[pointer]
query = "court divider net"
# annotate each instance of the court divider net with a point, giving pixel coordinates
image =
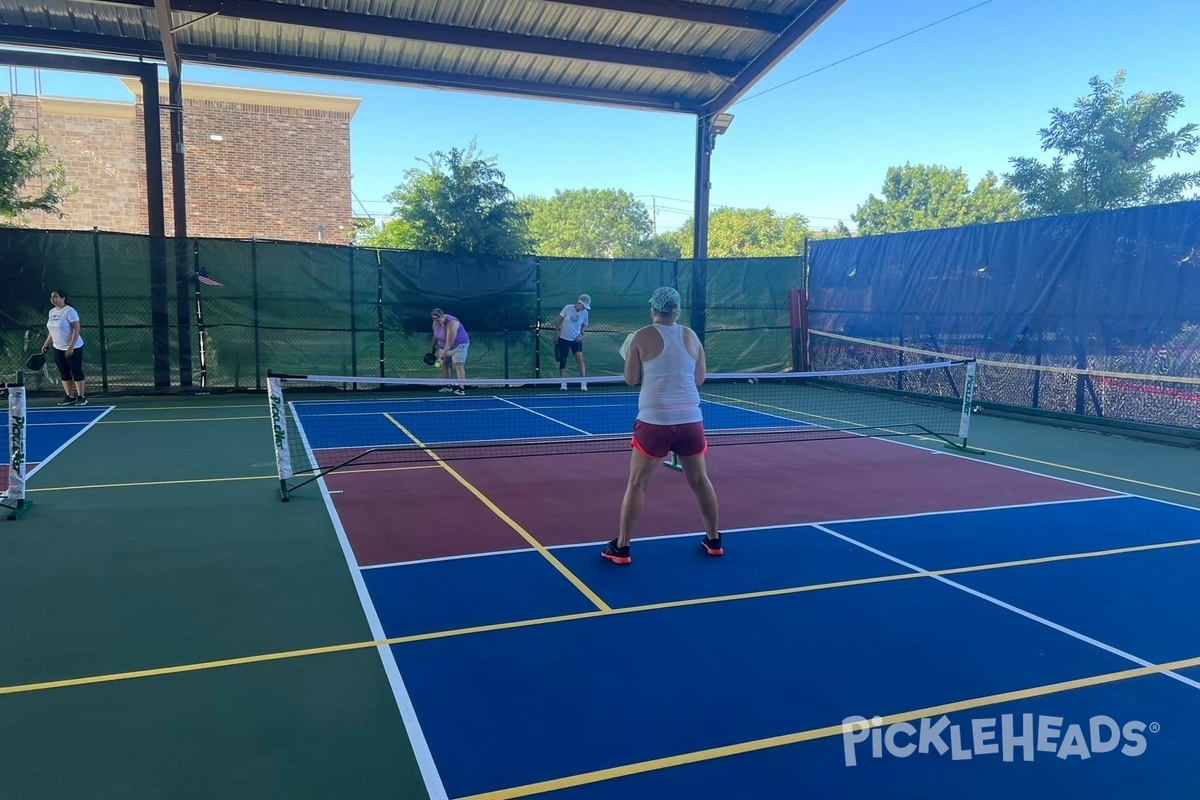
(323, 423)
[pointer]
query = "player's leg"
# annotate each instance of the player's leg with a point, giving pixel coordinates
(77, 376)
(691, 448)
(561, 348)
(579, 362)
(64, 373)
(647, 452)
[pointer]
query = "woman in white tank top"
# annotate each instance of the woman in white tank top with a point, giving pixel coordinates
(667, 359)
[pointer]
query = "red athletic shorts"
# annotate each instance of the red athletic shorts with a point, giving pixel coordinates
(656, 441)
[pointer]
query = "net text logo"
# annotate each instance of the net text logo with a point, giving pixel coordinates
(990, 736)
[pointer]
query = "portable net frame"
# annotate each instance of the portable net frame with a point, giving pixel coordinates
(12, 485)
(323, 423)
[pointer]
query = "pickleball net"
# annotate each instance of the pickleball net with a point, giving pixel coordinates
(323, 423)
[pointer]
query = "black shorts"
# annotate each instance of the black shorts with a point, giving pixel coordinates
(564, 348)
(70, 369)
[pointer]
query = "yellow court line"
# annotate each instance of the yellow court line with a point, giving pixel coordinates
(512, 523)
(527, 623)
(195, 419)
(740, 748)
(211, 480)
(990, 451)
(1096, 474)
(151, 483)
(132, 409)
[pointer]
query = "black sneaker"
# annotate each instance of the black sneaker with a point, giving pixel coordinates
(67, 401)
(617, 555)
(81, 401)
(713, 546)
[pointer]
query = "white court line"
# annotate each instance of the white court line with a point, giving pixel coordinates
(86, 427)
(516, 551)
(756, 528)
(1009, 607)
(543, 416)
(408, 714)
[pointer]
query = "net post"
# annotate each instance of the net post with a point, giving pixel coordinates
(14, 496)
(968, 402)
(279, 434)
(673, 462)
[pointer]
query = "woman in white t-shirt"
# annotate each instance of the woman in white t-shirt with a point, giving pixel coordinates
(63, 333)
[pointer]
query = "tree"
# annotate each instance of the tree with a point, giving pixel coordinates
(924, 197)
(1107, 147)
(457, 204)
(589, 223)
(22, 163)
(747, 233)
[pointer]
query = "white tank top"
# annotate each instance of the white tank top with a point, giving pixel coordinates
(669, 395)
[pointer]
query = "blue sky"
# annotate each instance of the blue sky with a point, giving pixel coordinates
(967, 93)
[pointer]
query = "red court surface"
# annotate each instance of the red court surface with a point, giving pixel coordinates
(409, 514)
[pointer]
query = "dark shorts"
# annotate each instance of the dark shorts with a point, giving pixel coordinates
(70, 369)
(564, 348)
(656, 441)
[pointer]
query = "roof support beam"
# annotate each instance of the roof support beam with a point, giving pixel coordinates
(303, 65)
(702, 14)
(813, 17)
(367, 25)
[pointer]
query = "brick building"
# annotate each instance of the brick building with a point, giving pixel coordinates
(257, 162)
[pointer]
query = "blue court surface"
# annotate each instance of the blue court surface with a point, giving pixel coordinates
(1007, 651)
(441, 420)
(50, 430)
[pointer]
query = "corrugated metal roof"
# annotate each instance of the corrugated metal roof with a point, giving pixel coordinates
(694, 56)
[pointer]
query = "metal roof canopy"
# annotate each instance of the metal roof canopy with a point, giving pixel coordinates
(684, 56)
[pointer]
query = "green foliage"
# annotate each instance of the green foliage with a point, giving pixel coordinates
(747, 233)
(457, 204)
(589, 223)
(1107, 148)
(21, 163)
(925, 197)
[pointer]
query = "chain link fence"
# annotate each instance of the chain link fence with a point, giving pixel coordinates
(238, 309)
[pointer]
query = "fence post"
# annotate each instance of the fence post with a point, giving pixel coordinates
(100, 309)
(257, 321)
(537, 322)
(799, 313)
(198, 299)
(379, 308)
(353, 324)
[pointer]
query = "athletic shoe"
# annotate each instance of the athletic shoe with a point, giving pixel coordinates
(617, 555)
(81, 401)
(583, 386)
(445, 390)
(67, 401)
(713, 546)
(460, 392)
(562, 387)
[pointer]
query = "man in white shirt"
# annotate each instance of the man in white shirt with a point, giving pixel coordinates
(569, 327)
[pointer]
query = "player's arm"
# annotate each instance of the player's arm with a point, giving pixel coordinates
(698, 351)
(75, 328)
(633, 362)
(451, 335)
(558, 323)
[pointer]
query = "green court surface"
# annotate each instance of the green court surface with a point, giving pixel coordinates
(157, 545)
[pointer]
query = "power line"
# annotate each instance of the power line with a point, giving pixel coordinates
(864, 52)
